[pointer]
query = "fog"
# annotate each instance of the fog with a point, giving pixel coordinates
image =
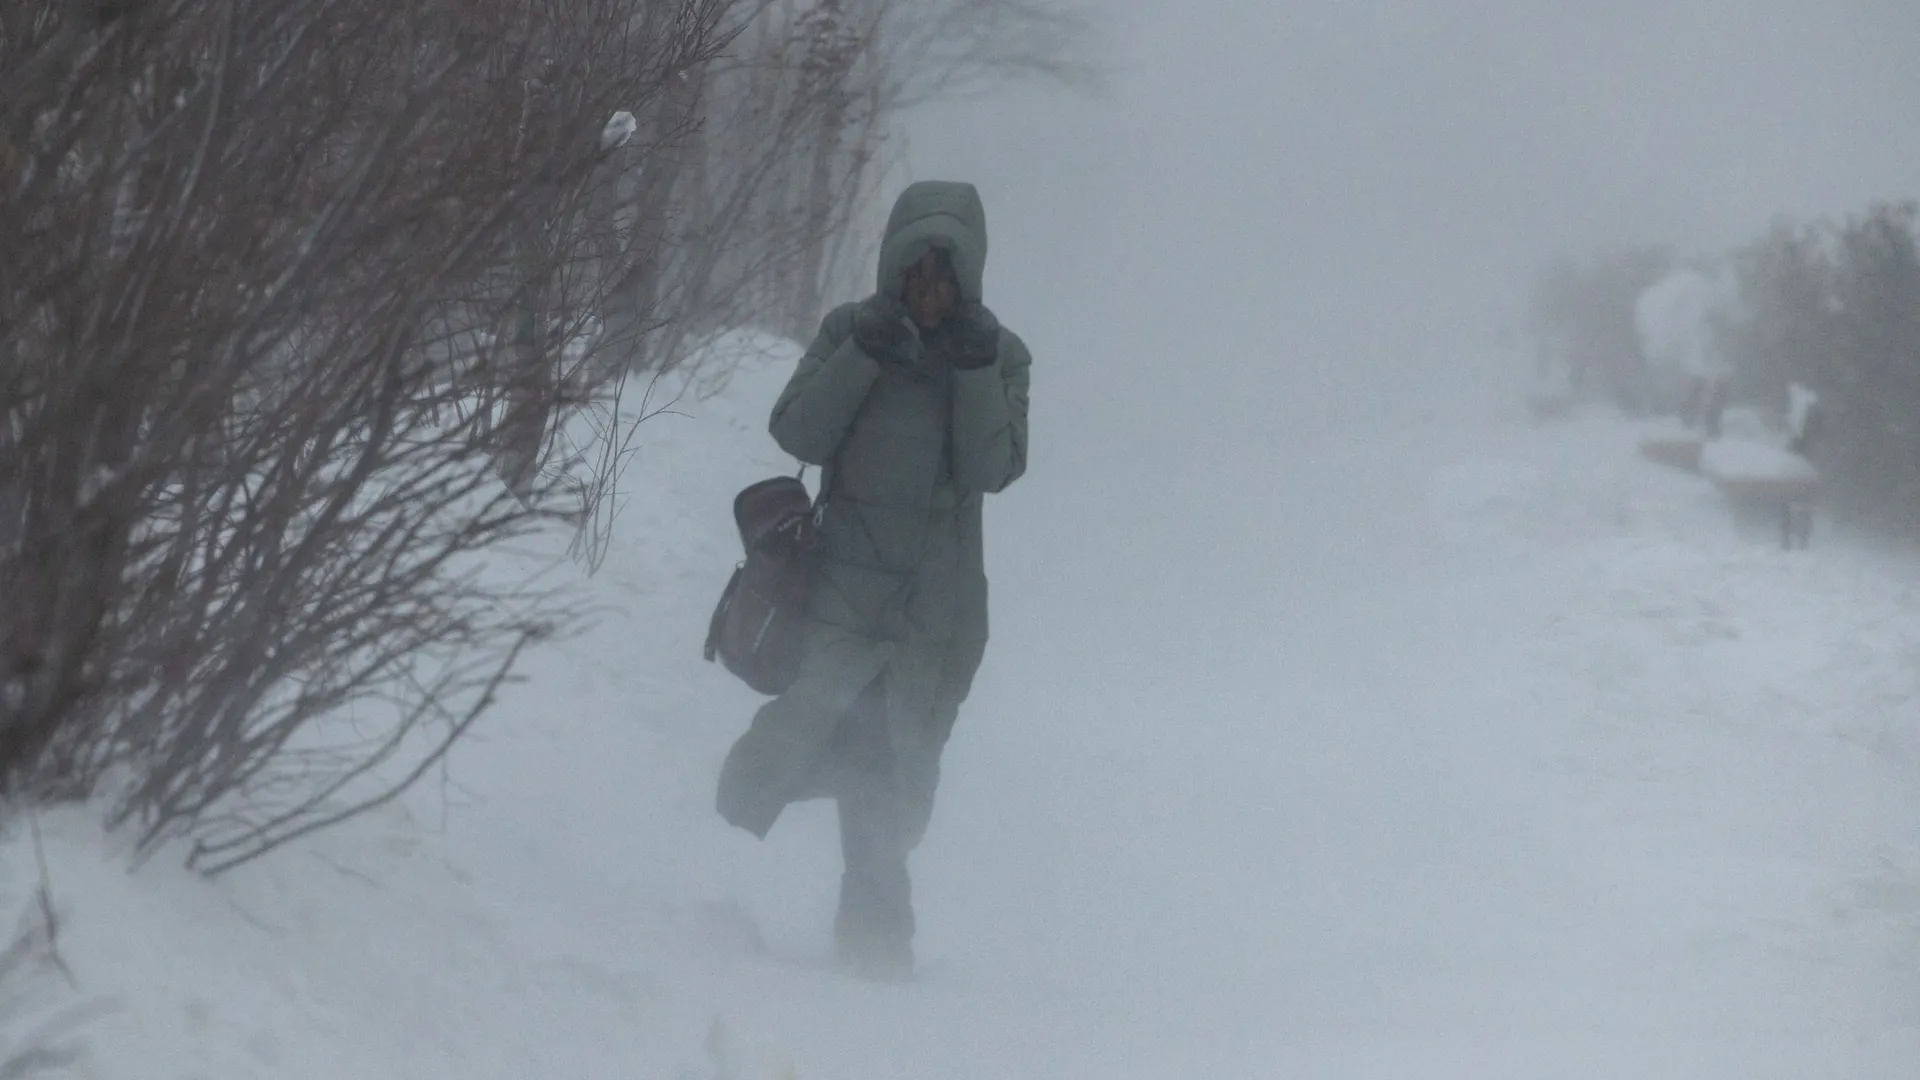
(1286, 224)
(1272, 185)
(1270, 741)
(1336, 722)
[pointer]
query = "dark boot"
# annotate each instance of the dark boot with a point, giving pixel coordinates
(877, 957)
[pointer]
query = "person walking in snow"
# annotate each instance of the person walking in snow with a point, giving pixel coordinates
(914, 403)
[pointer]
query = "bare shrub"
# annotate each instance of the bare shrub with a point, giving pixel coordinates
(297, 296)
(290, 289)
(1835, 306)
(37, 1040)
(768, 207)
(33, 1044)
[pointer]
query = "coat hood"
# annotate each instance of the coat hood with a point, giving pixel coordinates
(942, 214)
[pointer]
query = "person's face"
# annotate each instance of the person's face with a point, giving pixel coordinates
(931, 292)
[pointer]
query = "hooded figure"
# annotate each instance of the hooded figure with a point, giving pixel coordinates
(914, 402)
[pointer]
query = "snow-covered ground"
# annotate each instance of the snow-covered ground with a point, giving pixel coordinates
(1519, 757)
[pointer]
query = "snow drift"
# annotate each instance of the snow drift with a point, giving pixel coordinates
(1567, 777)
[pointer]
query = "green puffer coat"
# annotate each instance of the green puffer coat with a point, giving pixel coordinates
(900, 594)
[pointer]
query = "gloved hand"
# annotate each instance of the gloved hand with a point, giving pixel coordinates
(880, 328)
(973, 337)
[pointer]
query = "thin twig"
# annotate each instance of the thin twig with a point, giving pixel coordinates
(44, 894)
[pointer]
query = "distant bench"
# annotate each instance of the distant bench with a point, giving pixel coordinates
(1754, 474)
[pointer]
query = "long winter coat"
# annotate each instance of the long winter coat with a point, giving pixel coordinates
(909, 450)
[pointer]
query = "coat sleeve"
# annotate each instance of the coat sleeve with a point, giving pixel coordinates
(824, 393)
(990, 419)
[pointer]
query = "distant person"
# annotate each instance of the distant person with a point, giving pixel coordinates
(914, 402)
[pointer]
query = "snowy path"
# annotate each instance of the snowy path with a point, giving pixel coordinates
(1528, 765)
(1609, 790)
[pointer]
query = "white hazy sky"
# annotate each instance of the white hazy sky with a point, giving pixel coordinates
(1261, 159)
(1291, 226)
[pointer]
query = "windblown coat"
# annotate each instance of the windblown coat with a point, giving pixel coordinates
(909, 449)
